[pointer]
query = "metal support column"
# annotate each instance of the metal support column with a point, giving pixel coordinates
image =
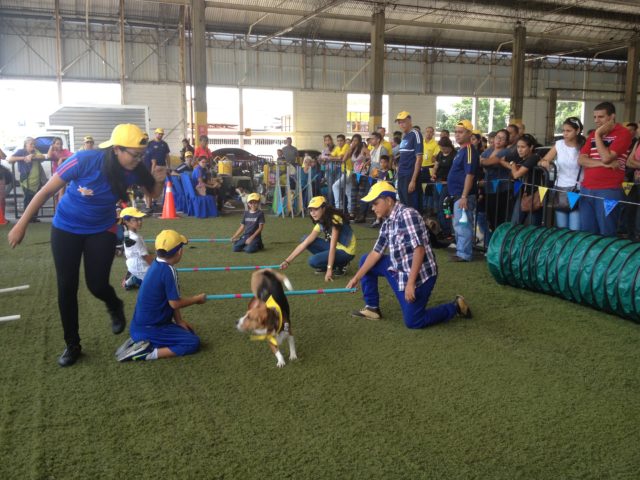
(199, 66)
(517, 73)
(631, 84)
(122, 56)
(551, 116)
(376, 87)
(58, 49)
(183, 72)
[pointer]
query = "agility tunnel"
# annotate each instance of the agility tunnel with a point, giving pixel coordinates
(601, 272)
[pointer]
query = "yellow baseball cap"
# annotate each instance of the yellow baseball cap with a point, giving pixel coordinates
(317, 202)
(88, 138)
(126, 135)
(253, 197)
(159, 130)
(169, 240)
(476, 132)
(466, 124)
(188, 153)
(403, 115)
(379, 189)
(131, 212)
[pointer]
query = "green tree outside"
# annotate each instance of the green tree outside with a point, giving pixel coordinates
(463, 109)
(566, 109)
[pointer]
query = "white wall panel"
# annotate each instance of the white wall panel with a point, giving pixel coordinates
(421, 107)
(164, 109)
(316, 114)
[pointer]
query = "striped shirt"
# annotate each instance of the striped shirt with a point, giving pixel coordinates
(402, 233)
(599, 178)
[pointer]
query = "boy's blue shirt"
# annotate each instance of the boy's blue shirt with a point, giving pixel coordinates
(159, 287)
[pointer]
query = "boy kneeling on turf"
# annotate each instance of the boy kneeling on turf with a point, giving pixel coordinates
(157, 329)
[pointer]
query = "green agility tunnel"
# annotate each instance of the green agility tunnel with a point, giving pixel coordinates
(601, 272)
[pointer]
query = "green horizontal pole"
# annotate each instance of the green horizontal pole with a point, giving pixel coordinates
(226, 269)
(201, 240)
(226, 296)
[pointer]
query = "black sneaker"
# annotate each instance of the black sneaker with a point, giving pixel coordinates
(70, 355)
(339, 271)
(319, 271)
(118, 320)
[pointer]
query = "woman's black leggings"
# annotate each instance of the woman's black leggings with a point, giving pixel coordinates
(98, 250)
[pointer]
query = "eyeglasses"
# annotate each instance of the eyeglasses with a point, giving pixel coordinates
(135, 155)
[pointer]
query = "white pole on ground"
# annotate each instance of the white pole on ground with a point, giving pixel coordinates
(9, 318)
(13, 289)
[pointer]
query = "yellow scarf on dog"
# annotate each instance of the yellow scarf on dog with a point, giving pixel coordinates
(270, 337)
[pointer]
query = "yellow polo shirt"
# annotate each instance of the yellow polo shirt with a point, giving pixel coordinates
(431, 149)
(340, 152)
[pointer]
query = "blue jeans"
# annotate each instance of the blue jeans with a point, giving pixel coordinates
(592, 215)
(320, 250)
(415, 315)
(406, 198)
(570, 220)
(253, 247)
(464, 231)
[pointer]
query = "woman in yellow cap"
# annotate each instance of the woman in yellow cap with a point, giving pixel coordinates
(84, 224)
(332, 253)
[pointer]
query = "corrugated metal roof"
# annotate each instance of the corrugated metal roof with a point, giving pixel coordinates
(552, 25)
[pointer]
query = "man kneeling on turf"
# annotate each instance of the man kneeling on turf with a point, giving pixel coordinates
(157, 329)
(410, 268)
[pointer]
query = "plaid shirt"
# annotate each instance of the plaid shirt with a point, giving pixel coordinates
(402, 232)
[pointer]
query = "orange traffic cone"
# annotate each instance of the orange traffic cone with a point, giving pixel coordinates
(169, 207)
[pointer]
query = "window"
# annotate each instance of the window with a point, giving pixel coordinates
(268, 110)
(492, 113)
(91, 93)
(566, 109)
(358, 113)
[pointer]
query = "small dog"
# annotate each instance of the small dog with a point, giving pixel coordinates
(243, 194)
(268, 314)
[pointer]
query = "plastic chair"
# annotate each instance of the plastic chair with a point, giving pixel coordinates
(200, 206)
(178, 193)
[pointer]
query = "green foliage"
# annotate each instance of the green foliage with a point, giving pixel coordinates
(532, 387)
(464, 109)
(566, 109)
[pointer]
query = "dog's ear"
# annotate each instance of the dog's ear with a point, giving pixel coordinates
(253, 303)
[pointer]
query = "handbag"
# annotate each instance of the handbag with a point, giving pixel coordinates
(530, 203)
(561, 199)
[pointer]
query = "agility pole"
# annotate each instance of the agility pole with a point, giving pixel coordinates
(226, 296)
(13, 289)
(226, 269)
(9, 318)
(200, 240)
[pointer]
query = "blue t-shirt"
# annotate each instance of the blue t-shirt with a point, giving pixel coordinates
(251, 222)
(88, 204)
(466, 162)
(152, 306)
(156, 150)
(410, 146)
(496, 172)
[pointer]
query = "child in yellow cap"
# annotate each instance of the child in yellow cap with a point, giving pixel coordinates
(158, 329)
(248, 237)
(135, 250)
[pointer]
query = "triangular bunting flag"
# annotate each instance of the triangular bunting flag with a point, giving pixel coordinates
(573, 198)
(494, 184)
(439, 187)
(358, 177)
(370, 181)
(609, 205)
(516, 186)
(627, 186)
(542, 191)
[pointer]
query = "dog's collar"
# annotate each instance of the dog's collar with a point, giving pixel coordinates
(271, 337)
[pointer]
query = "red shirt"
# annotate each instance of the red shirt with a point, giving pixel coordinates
(599, 178)
(202, 152)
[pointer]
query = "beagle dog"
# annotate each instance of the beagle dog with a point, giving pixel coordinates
(268, 314)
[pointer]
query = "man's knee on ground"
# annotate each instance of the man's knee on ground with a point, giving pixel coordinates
(189, 345)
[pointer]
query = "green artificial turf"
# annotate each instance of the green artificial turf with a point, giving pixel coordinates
(532, 387)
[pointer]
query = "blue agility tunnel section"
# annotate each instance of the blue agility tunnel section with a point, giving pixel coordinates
(601, 272)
